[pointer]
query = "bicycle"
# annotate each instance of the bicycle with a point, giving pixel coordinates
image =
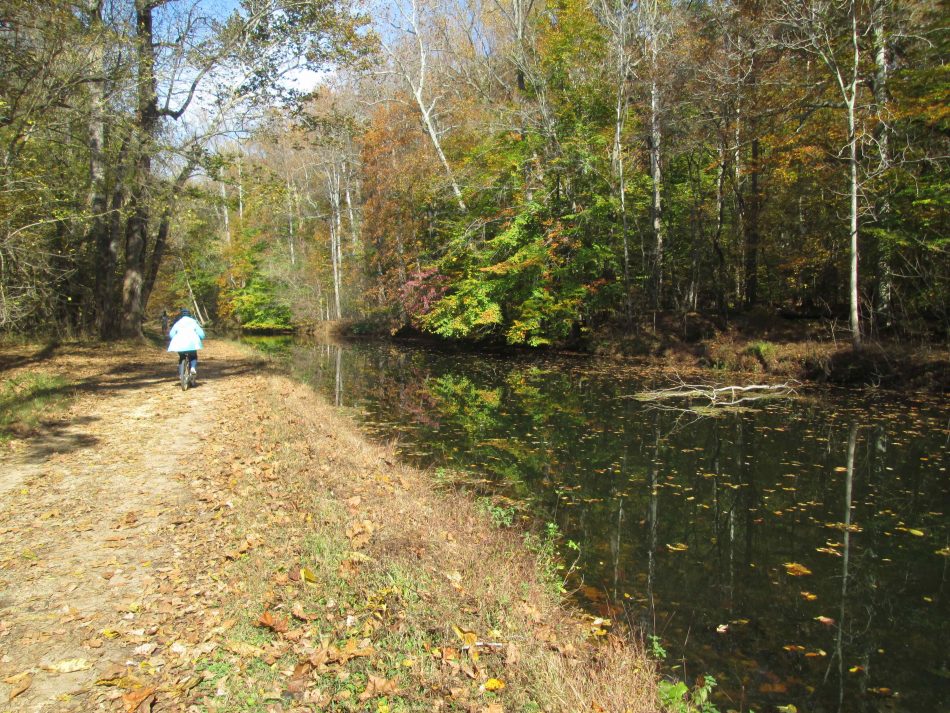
(185, 375)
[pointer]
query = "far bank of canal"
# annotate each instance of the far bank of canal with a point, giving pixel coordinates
(798, 550)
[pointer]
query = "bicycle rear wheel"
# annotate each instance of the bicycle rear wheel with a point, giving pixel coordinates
(183, 374)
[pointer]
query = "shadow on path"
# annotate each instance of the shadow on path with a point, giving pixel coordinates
(67, 435)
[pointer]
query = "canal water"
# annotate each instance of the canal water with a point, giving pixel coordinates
(796, 550)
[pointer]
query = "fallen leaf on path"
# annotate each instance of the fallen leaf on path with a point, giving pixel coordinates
(379, 687)
(272, 622)
(494, 684)
(139, 701)
(118, 676)
(20, 683)
(297, 611)
(68, 666)
(242, 648)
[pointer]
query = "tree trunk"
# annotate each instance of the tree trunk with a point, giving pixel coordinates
(882, 64)
(751, 226)
(853, 292)
(99, 236)
(656, 207)
(717, 236)
(136, 234)
(850, 100)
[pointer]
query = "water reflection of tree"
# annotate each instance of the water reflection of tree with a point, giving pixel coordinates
(622, 476)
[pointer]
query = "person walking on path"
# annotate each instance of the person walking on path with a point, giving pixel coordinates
(186, 336)
(164, 323)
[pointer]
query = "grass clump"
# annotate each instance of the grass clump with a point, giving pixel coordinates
(26, 399)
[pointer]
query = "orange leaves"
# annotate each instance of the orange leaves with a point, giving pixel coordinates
(139, 701)
(794, 569)
(269, 621)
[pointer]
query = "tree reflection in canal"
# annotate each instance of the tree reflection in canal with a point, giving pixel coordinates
(796, 551)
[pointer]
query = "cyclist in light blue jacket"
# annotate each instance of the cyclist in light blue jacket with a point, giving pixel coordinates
(186, 335)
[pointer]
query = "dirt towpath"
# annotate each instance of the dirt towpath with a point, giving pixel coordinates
(91, 510)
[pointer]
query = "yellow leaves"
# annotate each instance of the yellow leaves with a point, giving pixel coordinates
(599, 626)
(943, 552)
(916, 533)
(243, 649)
(494, 684)
(795, 648)
(677, 547)
(850, 527)
(794, 569)
(468, 637)
(68, 666)
(307, 576)
(808, 596)
(469, 641)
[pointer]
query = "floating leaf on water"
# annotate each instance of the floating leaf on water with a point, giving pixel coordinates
(677, 547)
(793, 647)
(826, 620)
(917, 533)
(794, 569)
(808, 596)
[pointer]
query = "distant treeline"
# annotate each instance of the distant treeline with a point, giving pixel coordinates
(516, 170)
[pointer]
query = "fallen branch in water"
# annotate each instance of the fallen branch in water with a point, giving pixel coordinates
(721, 396)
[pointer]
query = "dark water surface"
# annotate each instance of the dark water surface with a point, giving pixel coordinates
(797, 551)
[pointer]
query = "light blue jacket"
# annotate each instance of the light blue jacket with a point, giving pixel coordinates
(186, 335)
